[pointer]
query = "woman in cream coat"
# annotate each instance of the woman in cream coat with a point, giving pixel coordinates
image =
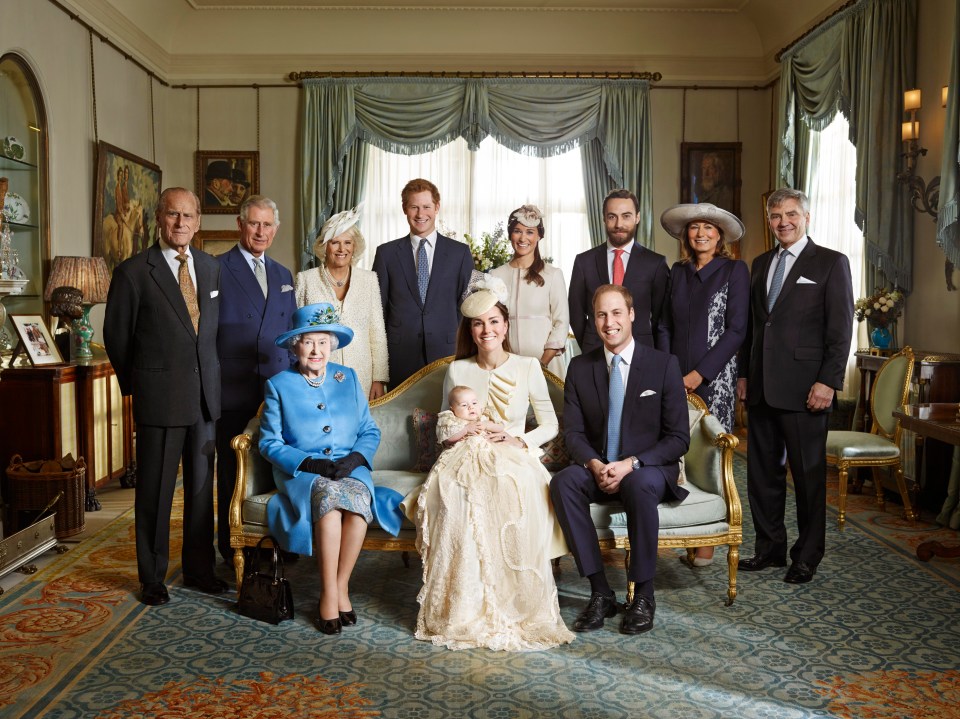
(354, 293)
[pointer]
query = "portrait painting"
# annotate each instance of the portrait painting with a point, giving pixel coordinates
(216, 242)
(225, 178)
(35, 338)
(710, 172)
(126, 192)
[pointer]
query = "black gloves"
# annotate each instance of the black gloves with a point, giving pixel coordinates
(323, 467)
(344, 467)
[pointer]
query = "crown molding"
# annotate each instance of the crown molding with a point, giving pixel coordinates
(632, 6)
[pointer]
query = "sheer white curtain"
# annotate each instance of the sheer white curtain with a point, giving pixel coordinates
(831, 188)
(478, 190)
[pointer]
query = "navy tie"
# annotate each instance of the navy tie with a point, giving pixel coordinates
(423, 270)
(777, 282)
(615, 411)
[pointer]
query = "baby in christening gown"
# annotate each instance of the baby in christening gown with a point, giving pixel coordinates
(466, 419)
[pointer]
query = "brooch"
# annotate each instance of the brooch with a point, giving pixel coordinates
(339, 376)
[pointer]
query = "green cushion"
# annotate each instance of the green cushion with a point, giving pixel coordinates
(699, 507)
(860, 445)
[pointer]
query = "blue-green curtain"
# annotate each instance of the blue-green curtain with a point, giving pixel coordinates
(948, 218)
(859, 63)
(596, 184)
(540, 117)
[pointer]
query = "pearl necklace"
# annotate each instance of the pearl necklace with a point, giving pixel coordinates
(334, 280)
(315, 382)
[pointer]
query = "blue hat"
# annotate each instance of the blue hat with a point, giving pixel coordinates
(320, 317)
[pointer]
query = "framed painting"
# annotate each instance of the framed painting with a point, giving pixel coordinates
(36, 339)
(126, 191)
(215, 242)
(710, 172)
(225, 178)
(767, 235)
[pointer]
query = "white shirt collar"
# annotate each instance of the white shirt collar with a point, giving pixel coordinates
(431, 239)
(626, 248)
(170, 252)
(796, 248)
(626, 354)
(248, 256)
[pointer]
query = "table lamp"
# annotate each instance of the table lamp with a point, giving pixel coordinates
(91, 277)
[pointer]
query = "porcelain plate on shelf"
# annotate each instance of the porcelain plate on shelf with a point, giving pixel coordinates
(12, 147)
(16, 208)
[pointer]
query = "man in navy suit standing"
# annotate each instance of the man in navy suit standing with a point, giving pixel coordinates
(791, 365)
(620, 261)
(625, 426)
(160, 332)
(257, 303)
(422, 278)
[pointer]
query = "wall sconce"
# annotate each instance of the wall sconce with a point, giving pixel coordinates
(91, 277)
(923, 197)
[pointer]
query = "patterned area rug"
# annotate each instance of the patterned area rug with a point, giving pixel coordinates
(876, 635)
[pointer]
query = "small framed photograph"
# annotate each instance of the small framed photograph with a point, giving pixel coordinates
(216, 242)
(710, 172)
(36, 339)
(225, 178)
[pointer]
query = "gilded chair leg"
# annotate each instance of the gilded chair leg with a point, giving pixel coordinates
(405, 556)
(626, 567)
(878, 486)
(733, 556)
(842, 502)
(691, 555)
(238, 565)
(902, 486)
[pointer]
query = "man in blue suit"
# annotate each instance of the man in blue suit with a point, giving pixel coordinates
(256, 304)
(422, 278)
(626, 432)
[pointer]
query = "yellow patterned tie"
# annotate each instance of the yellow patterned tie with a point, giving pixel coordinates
(189, 291)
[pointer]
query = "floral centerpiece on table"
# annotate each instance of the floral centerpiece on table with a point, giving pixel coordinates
(881, 308)
(489, 250)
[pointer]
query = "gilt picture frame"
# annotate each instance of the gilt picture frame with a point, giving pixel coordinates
(215, 242)
(224, 178)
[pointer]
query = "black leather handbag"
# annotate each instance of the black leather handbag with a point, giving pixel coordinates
(266, 596)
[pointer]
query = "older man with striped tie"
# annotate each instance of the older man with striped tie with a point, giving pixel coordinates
(626, 444)
(160, 332)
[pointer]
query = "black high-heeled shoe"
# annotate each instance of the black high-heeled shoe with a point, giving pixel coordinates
(328, 626)
(348, 619)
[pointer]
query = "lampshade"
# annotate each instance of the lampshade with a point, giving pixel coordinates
(910, 130)
(911, 100)
(87, 274)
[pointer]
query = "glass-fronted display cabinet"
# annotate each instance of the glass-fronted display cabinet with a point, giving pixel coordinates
(24, 236)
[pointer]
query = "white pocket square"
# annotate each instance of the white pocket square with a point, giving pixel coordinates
(287, 288)
(804, 281)
(214, 294)
(647, 393)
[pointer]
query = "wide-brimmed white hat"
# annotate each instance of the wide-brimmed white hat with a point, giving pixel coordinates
(675, 220)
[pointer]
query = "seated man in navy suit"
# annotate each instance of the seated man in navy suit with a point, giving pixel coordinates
(257, 302)
(422, 278)
(625, 425)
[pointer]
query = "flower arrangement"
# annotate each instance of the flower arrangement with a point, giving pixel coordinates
(881, 308)
(489, 250)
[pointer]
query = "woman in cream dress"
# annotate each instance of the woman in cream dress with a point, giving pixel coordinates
(354, 293)
(485, 530)
(539, 315)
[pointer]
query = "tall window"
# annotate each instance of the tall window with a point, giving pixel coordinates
(477, 191)
(832, 191)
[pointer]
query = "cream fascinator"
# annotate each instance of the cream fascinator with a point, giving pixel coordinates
(528, 216)
(336, 226)
(483, 293)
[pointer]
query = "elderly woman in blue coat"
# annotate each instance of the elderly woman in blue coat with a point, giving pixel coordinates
(317, 431)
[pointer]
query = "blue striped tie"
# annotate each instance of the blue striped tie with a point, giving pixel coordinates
(615, 411)
(777, 282)
(423, 270)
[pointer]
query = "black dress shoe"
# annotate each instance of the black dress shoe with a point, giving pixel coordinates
(210, 585)
(761, 561)
(599, 607)
(638, 615)
(348, 619)
(328, 626)
(800, 573)
(154, 594)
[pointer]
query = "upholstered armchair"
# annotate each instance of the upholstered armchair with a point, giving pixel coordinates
(880, 447)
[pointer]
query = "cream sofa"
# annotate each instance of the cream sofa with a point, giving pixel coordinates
(710, 516)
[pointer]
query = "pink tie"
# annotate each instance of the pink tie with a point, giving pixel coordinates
(618, 267)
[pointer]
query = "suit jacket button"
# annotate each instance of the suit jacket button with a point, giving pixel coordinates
(327, 450)
(196, 370)
(327, 428)
(321, 406)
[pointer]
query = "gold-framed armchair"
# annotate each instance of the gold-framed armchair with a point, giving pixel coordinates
(880, 447)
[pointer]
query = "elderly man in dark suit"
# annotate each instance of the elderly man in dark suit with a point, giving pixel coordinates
(257, 302)
(791, 365)
(620, 261)
(422, 278)
(626, 427)
(160, 331)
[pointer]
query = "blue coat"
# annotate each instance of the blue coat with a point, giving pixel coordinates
(327, 422)
(249, 323)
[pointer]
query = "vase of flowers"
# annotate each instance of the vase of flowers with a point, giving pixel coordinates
(490, 250)
(880, 309)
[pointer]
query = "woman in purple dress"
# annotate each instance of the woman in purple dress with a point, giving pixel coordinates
(708, 303)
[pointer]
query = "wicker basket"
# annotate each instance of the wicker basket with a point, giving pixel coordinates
(34, 484)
